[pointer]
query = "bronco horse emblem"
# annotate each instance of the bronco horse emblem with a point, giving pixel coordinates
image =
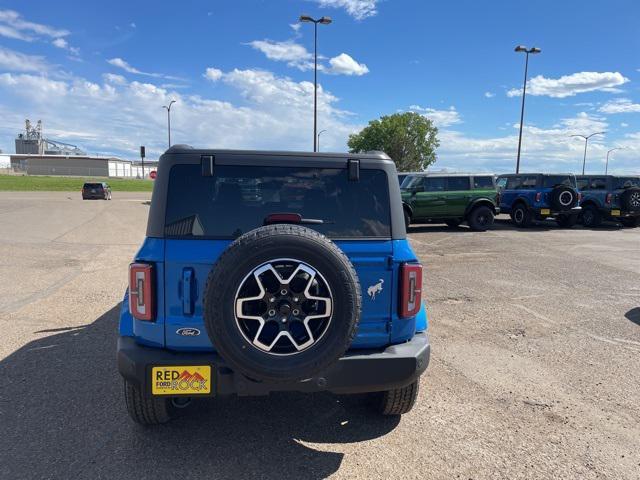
(375, 289)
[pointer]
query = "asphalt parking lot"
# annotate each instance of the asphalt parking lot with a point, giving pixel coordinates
(535, 369)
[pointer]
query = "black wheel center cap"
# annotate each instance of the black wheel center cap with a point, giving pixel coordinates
(284, 308)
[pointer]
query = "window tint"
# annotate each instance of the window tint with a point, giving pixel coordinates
(434, 184)
(513, 183)
(412, 181)
(482, 182)
(622, 182)
(550, 181)
(237, 199)
(528, 182)
(401, 178)
(598, 184)
(502, 182)
(457, 183)
(583, 183)
(92, 185)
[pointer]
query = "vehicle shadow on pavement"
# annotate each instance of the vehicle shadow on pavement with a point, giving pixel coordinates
(62, 416)
(633, 315)
(546, 225)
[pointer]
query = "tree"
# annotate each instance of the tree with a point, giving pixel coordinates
(408, 138)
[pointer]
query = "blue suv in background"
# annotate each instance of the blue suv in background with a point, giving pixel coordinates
(272, 271)
(610, 197)
(537, 196)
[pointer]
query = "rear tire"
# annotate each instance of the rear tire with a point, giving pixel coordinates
(146, 409)
(399, 400)
(591, 217)
(632, 222)
(521, 216)
(566, 221)
(480, 219)
(407, 219)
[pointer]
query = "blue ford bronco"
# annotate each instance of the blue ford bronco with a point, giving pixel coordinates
(537, 196)
(272, 271)
(609, 197)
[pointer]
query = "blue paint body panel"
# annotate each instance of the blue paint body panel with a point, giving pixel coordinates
(182, 268)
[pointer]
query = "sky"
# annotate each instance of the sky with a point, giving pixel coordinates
(241, 72)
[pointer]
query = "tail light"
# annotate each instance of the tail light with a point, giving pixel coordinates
(410, 289)
(497, 199)
(538, 196)
(608, 199)
(579, 196)
(142, 301)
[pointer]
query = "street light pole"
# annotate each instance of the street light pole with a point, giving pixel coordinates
(527, 51)
(586, 142)
(169, 119)
(606, 165)
(320, 133)
(323, 21)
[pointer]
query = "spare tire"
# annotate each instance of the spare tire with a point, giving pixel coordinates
(563, 198)
(282, 303)
(630, 199)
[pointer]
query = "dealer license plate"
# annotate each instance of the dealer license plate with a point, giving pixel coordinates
(545, 211)
(182, 380)
(615, 213)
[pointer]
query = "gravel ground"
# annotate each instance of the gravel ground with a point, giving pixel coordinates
(535, 369)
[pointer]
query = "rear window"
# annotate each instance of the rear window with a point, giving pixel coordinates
(622, 182)
(92, 185)
(483, 182)
(411, 181)
(237, 199)
(434, 184)
(550, 181)
(455, 184)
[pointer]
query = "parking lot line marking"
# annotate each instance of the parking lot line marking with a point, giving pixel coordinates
(616, 342)
(539, 316)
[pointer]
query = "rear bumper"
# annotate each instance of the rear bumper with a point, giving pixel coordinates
(357, 372)
(617, 213)
(555, 213)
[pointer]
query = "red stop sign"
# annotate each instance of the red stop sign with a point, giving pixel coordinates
(153, 174)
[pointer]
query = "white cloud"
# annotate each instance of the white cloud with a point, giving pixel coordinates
(120, 63)
(358, 9)
(295, 26)
(343, 64)
(213, 74)
(118, 116)
(489, 94)
(570, 85)
(620, 105)
(14, 26)
(297, 56)
(124, 65)
(132, 25)
(543, 149)
(19, 62)
(288, 51)
(115, 79)
(63, 44)
(624, 125)
(441, 118)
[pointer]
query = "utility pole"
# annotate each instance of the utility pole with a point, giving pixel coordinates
(534, 50)
(323, 21)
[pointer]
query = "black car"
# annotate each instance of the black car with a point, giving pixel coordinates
(100, 191)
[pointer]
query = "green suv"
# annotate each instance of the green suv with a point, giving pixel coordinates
(451, 199)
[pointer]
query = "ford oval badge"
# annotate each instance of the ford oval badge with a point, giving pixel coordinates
(188, 332)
